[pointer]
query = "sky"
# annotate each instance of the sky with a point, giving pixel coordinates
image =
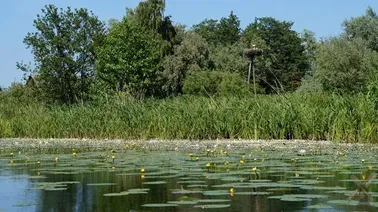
(324, 17)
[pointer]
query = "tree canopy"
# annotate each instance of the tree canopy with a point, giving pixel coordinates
(127, 59)
(147, 54)
(63, 48)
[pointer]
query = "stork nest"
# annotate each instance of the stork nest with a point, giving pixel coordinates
(250, 53)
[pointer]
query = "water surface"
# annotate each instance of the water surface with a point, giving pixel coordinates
(213, 179)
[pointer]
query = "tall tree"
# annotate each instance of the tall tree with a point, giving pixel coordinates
(223, 32)
(63, 48)
(229, 29)
(364, 27)
(192, 55)
(127, 61)
(284, 62)
(310, 44)
(149, 14)
(208, 30)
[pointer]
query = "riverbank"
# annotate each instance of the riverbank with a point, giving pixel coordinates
(46, 145)
(267, 117)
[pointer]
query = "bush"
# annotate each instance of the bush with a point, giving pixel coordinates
(215, 83)
(345, 66)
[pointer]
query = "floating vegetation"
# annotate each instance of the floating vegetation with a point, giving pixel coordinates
(183, 202)
(155, 183)
(160, 205)
(25, 204)
(319, 207)
(212, 206)
(52, 186)
(298, 197)
(141, 175)
(101, 184)
(123, 193)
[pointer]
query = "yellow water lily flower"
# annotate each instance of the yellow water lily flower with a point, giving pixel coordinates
(232, 190)
(142, 170)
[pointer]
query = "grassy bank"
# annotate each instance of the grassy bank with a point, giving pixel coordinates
(298, 116)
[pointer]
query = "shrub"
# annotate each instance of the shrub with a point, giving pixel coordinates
(215, 83)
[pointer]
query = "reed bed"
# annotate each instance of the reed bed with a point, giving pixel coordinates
(293, 116)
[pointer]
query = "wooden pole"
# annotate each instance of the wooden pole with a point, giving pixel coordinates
(249, 71)
(254, 78)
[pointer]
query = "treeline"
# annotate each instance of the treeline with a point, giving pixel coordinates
(77, 57)
(88, 79)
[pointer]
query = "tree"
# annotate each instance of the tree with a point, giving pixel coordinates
(63, 48)
(364, 27)
(207, 29)
(228, 29)
(284, 62)
(193, 54)
(223, 32)
(149, 15)
(127, 61)
(345, 66)
(310, 45)
(229, 58)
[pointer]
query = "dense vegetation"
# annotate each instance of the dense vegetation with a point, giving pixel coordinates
(146, 76)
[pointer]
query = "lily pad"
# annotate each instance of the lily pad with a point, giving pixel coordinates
(101, 184)
(160, 205)
(155, 183)
(212, 206)
(124, 193)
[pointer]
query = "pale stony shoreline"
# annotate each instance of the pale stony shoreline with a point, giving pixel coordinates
(16, 144)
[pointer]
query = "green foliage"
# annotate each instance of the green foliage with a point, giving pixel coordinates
(149, 15)
(310, 84)
(284, 62)
(345, 66)
(63, 48)
(223, 32)
(310, 45)
(128, 58)
(215, 83)
(364, 27)
(229, 58)
(191, 55)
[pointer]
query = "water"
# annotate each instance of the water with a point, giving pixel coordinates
(239, 180)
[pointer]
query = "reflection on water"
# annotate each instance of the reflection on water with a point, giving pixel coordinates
(242, 180)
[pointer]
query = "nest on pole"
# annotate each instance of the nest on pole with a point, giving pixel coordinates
(251, 53)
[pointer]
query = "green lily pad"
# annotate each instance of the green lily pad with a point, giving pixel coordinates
(319, 207)
(162, 205)
(101, 184)
(298, 197)
(155, 183)
(182, 191)
(213, 200)
(25, 204)
(183, 202)
(212, 206)
(124, 193)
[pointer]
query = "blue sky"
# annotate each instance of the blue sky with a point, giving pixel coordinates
(324, 17)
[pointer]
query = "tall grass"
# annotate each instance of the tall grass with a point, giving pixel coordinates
(297, 116)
